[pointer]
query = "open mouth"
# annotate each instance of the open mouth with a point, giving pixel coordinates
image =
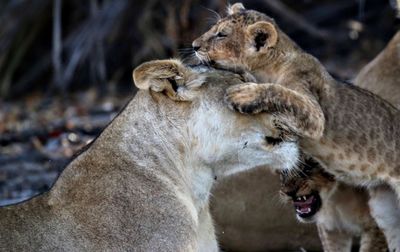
(308, 205)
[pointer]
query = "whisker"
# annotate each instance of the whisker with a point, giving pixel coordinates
(283, 199)
(295, 172)
(187, 44)
(185, 49)
(190, 58)
(216, 15)
(208, 59)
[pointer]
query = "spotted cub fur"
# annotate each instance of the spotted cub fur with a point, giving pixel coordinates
(351, 132)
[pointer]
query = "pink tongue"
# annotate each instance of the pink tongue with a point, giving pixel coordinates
(304, 204)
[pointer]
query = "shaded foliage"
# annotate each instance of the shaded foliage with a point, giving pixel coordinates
(101, 41)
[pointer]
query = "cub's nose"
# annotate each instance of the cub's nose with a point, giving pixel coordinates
(195, 45)
(289, 189)
(290, 193)
(196, 48)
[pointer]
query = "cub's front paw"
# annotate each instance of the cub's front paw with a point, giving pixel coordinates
(245, 98)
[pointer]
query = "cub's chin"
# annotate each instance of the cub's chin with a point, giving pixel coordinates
(307, 206)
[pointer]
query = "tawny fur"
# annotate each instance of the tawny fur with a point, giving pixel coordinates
(344, 212)
(144, 183)
(382, 77)
(353, 133)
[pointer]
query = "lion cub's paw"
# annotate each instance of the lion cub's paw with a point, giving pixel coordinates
(245, 98)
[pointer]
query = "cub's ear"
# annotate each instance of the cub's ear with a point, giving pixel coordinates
(263, 34)
(235, 8)
(164, 76)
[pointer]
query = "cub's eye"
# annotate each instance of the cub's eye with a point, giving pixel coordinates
(221, 35)
(307, 169)
(308, 166)
(273, 140)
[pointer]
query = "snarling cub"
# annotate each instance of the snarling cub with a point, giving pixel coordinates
(340, 211)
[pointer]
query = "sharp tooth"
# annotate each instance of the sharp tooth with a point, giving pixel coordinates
(308, 210)
(304, 198)
(298, 198)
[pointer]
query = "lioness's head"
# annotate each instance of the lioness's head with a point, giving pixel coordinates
(244, 39)
(211, 133)
(307, 189)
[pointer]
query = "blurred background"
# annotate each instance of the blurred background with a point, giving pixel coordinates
(65, 66)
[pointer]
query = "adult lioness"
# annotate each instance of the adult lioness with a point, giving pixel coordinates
(382, 75)
(143, 185)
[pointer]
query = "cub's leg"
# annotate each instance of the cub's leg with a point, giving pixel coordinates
(373, 240)
(295, 111)
(385, 210)
(333, 240)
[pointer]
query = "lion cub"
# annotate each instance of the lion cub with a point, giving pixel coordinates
(351, 132)
(340, 211)
(144, 183)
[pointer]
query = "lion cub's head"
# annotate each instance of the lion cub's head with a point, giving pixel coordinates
(307, 189)
(244, 39)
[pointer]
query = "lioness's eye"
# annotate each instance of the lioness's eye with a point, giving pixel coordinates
(221, 35)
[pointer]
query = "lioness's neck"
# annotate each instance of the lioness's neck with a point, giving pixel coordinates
(172, 155)
(152, 141)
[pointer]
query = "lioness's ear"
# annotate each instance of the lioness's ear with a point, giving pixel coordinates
(235, 8)
(160, 76)
(263, 34)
